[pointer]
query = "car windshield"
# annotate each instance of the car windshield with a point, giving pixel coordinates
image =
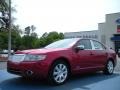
(65, 43)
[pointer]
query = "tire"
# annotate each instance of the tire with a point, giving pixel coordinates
(109, 68)
(59, 73)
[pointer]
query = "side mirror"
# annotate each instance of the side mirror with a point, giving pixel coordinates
(80, 47)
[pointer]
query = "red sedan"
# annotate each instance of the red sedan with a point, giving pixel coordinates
(57, 61)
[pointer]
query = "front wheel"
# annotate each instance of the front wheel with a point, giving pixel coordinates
(109, 68)
(59, 73)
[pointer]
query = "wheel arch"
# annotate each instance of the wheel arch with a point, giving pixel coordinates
(66, 60)
(112, 61)
(50, 79)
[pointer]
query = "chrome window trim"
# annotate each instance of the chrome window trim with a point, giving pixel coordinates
(91, 41)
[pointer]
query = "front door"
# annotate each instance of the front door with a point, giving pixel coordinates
(85, 57)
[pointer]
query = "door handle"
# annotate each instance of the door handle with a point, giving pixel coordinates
(91, 54)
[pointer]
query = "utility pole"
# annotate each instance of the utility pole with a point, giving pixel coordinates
(9, 31)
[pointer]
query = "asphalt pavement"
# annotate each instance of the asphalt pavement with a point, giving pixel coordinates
(3, 65)
(96, 81)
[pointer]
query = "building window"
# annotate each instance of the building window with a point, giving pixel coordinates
(96, 36)
(86, 36)
(83, 36)
(89, 36)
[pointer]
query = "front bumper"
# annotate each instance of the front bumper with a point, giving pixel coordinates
(31, 69)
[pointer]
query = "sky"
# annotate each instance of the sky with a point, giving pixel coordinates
(63, 15)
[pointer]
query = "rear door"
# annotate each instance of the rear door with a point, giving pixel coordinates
(99, 54)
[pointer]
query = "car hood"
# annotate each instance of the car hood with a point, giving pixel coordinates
(38, 51)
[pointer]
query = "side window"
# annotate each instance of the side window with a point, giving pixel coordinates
(86, 43)
(98, 46)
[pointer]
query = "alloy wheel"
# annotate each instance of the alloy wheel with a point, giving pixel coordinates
(60, 73)
(110, 66)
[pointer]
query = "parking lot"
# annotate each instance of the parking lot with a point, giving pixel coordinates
(3, 65)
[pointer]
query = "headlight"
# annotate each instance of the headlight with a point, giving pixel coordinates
(30, 57)
(17, 58)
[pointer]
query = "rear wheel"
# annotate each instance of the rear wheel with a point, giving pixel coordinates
(109, 68)
(59, 73)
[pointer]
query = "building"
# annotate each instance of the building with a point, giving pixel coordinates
(108, 32)
(83, 34)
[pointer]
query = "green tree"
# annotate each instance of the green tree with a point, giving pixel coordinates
(27, 30)
(29, 42)
(3, 5)
(33, 28)
(15, 35)
(30, 30)
(30, 38)
(3, 40)
(4, 10)
(48, 38)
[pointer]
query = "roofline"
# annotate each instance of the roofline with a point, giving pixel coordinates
(81, 31)
(113, 13)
